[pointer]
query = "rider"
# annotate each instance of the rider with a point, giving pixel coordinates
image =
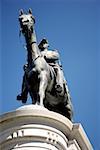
(52, 58)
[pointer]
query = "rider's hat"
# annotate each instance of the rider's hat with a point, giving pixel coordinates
(43, 41)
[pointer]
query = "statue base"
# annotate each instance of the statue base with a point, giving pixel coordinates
(36, 128)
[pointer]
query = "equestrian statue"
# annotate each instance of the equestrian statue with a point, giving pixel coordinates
(43, 76)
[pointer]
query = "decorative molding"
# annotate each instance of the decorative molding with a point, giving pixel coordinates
(30, 125)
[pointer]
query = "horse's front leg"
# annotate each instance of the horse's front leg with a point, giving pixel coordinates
(42, 86)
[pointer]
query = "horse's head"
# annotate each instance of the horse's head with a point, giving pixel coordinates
(26, 22)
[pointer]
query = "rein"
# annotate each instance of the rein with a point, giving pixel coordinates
(37, 56)
(36, 59)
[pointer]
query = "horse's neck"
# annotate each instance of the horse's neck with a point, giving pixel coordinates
(32, 48)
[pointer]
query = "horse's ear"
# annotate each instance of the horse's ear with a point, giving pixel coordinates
(21, 12)
(30, 11)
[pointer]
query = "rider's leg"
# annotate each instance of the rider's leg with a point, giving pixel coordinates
(59, 79)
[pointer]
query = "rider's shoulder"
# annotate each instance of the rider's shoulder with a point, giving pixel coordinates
(54, 51)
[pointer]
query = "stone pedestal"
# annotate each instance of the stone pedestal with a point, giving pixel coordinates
(33, 127)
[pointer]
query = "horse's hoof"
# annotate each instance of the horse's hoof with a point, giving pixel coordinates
(21, 98)
(24, 101)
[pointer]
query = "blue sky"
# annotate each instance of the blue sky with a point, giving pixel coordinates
(73, 28)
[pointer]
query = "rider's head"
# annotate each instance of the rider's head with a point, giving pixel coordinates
(43, 44)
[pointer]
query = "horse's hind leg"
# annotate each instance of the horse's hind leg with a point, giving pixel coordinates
(42, 86)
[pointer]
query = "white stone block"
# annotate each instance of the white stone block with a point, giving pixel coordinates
(36, 128)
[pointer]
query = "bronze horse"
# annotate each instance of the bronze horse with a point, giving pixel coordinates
(40, 76)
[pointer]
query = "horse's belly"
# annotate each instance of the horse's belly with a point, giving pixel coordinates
(53, 100)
